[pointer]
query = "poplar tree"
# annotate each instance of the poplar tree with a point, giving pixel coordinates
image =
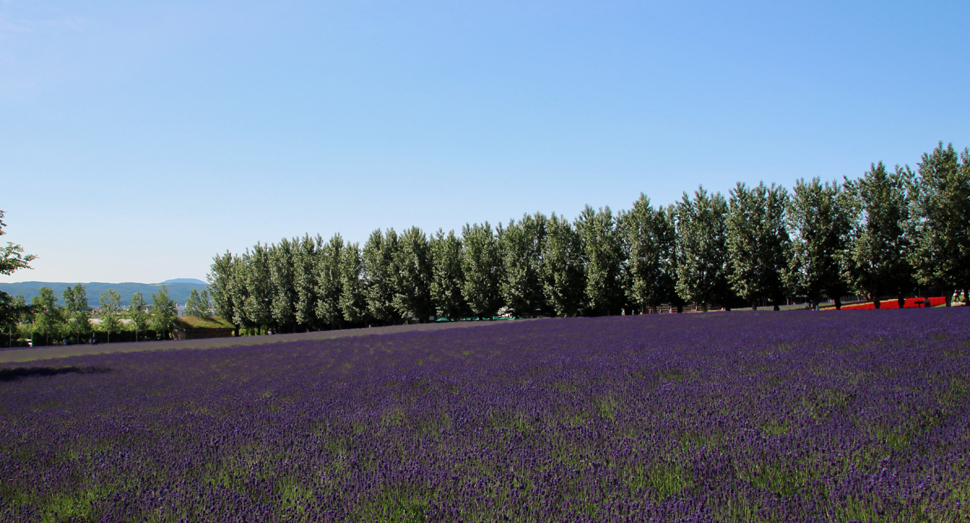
(283, 293)
(108, 313)
(379, 271)
(164, 313)
(520, 247)
(353, 300)
(649, 240)
(447, 276)
(199, 304)
(220, 278)
(667, 285)
(941, 224)
(602, 257)
(137, 313)
(758, 243)
(880, 243)
(330, 284)
(76, 311)
(306, 258)
(481, 266)
(819, 218)
(702, 269)
(258, 305)
(413, 275)
(192, 304)
(48, 319)
(239, 292)
(563, 278)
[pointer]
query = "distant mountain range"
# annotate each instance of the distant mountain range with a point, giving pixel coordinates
(184, 280)
(178, 289)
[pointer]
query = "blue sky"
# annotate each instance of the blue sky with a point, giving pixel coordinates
(138, 139)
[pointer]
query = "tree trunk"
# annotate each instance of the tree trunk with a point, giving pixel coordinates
(776, 307)
(875, 302)
(900, 301)
(838, 303)
(949, 300)
(680, 308)
(754, 305)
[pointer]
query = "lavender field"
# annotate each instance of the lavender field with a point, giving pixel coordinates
(742, 416)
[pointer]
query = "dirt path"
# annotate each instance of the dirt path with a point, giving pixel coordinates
(44, 353)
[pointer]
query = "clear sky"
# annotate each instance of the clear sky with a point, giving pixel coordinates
(139, 139)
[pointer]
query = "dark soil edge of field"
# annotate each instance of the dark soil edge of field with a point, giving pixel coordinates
(67, 351)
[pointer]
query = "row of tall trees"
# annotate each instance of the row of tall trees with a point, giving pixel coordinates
(47, 322)
(880, 235)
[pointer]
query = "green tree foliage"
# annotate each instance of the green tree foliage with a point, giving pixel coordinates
(520, 247)
(669, 280)
(206, 306)
(603, 261)
(649, 239)
(109, 312)
(819, 218)
(199, 304)
(353, 299)
(48, 317)
(220, 278)
(258, 303)
(164, 313)
(941, 221)
(330, 283)
(447, 276)
(701, 249)
(880, 245)
(138, 313)
(13, 259)
(14, 312)
(758, 243)
(563, 277)
(413, 275)
(306, 258)
(239, 293)
(481, 265)
(702, 269)
(282, 306)
(76, 312)
(380, 273)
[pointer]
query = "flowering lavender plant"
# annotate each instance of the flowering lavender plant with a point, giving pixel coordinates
(795, 416)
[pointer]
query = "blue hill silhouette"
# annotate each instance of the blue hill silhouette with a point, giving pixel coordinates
(178, 289)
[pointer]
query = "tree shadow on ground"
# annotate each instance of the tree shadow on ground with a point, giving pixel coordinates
(27, 372)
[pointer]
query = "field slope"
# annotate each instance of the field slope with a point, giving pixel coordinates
(797, 416)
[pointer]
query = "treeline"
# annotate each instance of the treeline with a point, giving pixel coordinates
(45, 321)
(878, 236)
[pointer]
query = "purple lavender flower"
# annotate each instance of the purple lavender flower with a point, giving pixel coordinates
(798, 416)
